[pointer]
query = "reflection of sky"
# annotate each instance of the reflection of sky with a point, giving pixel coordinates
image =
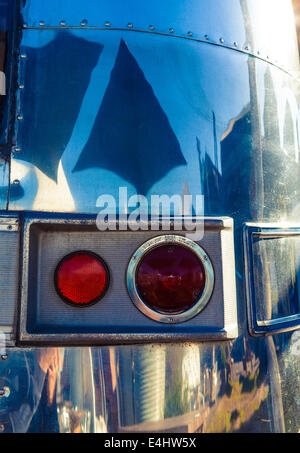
(199, 16)
(274, 31)
(188, 79)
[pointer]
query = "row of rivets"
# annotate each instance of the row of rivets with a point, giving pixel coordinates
(84, 22)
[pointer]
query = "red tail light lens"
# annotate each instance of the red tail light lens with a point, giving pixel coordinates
(170, 279)
(81, 278)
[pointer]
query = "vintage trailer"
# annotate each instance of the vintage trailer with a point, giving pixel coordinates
(150, 216)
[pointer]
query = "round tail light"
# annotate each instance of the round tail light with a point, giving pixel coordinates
(81, 278)
(170, 278)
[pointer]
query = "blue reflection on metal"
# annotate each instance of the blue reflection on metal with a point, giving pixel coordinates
(60, 79)
(131, 134)
(172, 112)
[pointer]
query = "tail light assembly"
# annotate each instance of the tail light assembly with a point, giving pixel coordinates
(80, 285)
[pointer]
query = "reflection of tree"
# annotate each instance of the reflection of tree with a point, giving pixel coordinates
(177, 400)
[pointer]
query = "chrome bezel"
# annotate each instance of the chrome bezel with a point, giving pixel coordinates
(156, 315)
(258, 327)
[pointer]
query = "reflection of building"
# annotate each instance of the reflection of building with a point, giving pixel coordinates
(246, 367)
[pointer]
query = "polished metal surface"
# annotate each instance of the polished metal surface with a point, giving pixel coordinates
(69, 169)
(217, 387)
(215, 112)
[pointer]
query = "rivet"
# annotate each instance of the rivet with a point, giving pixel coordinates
(42, 23)
(222, 40)
(190, 33)
(206, 37)
(63, 23)
(205, 257)
(20, 117)
(151, 27)
(23, 55)
(246, 48)
(171, 319)
(235, 44)
(17, 149)
(4, 356)
(16, 182)
(129, 25)
(107, 24)
(2, 428)
(24, 25)
(2, 392)
(83, 23)
(171, 30)
(21, 87)
(9, 227)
